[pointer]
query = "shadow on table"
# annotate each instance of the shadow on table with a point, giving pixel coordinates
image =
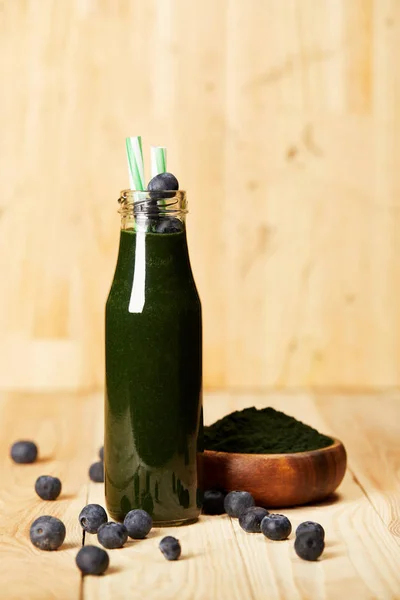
(329, 500)
(113, 569)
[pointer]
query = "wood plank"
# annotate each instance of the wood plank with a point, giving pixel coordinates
(219, 559)
(211, 561)
(281, 119)
(59, 425)
(222, 561)
(361, 556)
(370, 429)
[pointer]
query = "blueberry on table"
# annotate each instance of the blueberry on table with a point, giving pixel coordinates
(112, 535)
(92, 517)
(309, 546)
(213, 502)
(96, 472)
(47, 533)
(311, 527)
(169, 225)
(92, 560)
(250, 519)
(170, 547)
(276, 527)
(24, 452)
(138, 523)
(159, 185)
(47, 487)
(101, 453)
(237, 502)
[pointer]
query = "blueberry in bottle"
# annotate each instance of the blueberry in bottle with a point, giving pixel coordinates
(161, 184)
(158, 187)
(169, 225)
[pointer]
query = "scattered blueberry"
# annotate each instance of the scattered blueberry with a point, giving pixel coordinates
(101, 453)
(47, 533)
(96, 472)
(112, 535)
(161, 183)
(92, 560)
(92, 517)
(24, 452)
(309, 546)
(170, 547)
(276, 527)
(311, 527)
(138, 523)
(213, 502)
(236, 502)
(47, 487)
(250, 519)
(169, 225)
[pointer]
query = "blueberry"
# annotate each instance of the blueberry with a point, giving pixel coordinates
(309, 546)
(92, 560)
(47, 533)
(213, 502)
(169, 225)
(138, 522)
(170, 547)
(92, 517)
(47, 487)
(311, 527)
(161, 183)
(24, 452)
(96, 472)
(237, 502)
(276, 527)
(112, 535)
(250, 519)
(101, 453)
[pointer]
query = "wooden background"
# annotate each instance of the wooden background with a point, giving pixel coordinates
(282, 120)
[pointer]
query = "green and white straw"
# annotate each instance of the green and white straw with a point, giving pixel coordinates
(134, 153)
(158, 156)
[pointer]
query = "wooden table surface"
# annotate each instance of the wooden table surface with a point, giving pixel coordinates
(219, 560)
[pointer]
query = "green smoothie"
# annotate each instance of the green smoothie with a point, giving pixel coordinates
(153, 380)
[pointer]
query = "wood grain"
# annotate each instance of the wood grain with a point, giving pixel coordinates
(59, 425)
(372, 434)
(219, 560)
(282, 122)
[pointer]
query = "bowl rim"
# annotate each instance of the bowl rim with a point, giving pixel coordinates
(336, 444)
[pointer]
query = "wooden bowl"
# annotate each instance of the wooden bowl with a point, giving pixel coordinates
(277, 479)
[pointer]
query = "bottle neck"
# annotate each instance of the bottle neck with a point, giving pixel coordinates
(153, 212)
(153, 262)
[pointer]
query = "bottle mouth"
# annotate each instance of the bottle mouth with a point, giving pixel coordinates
(153, 203)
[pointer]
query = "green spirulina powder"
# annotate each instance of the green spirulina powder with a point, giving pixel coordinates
(265, 431)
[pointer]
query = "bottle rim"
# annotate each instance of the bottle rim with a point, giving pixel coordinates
(160, 202)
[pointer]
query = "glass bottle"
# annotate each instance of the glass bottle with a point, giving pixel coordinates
(153, 392)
